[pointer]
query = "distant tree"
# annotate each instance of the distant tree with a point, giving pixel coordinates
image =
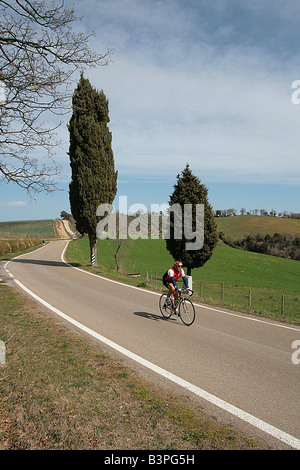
(231, 212)
(65, 215)
(263, 212)
(94, 179)
(189, 190)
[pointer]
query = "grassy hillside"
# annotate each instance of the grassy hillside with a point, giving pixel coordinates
(241, 225)
(236, 267)
(27, 229)
(268, 277)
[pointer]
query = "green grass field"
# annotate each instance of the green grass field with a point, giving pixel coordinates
(27, 229)
(241, 225)
(268, 277)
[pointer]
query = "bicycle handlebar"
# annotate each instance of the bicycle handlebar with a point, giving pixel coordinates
(186, 291)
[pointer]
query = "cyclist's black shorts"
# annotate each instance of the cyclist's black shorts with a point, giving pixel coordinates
(166, 283)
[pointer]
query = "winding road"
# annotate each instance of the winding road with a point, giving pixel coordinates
(237, 366)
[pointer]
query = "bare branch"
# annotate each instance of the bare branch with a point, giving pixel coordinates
(39, 55)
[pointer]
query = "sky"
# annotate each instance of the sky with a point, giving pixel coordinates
(212, 83)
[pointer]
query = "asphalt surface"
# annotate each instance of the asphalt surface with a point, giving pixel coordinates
(242, 366)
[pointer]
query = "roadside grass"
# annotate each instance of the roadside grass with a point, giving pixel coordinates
(60, 391)
(225, 280)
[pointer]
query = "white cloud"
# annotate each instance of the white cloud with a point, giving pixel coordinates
(222, 118)
(178, 94)
(14, 204)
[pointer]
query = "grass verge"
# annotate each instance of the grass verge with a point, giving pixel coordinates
(60, 391)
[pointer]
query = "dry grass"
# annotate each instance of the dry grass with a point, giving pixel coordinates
(58, 390)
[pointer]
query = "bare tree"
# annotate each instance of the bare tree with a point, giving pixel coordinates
(39, 55)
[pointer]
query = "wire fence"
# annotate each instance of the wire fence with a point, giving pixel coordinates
(260, 300)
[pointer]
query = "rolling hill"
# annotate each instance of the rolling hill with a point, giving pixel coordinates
(27, 229)
(238, 226)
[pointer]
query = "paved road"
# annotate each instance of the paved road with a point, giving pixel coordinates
(239, 363)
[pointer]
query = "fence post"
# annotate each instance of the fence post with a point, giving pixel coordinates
(222, 291)
(282, 304)
(249, 297)
(147, 279)
(201, 288)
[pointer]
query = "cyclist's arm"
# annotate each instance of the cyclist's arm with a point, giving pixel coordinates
(174, 282)
(185, 282)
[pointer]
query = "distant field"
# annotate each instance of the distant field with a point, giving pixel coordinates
(268, 277)
(27, 229)
(241, 225)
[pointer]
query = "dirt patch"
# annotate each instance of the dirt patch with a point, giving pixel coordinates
(61, 231)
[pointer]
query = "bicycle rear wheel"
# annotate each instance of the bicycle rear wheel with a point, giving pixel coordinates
(187, 311)
(166, 310)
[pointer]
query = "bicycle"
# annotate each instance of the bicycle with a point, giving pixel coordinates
(185, 307)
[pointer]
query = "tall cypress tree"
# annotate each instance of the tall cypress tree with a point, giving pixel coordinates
(189, 190)
(94, 179)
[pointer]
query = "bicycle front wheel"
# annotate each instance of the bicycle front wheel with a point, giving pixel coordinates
(166, 310)
(187, 311)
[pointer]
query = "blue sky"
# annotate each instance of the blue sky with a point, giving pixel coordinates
(203, 82)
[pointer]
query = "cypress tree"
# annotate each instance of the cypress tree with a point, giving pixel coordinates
(94, 179)
(189, 190)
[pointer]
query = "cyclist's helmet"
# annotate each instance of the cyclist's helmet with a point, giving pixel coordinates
(178, 263)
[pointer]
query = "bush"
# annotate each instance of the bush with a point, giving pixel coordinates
(5, 248)
(17, 245)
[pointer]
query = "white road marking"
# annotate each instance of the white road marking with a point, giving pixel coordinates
(243, 415)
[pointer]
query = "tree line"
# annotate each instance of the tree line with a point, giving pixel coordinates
(262, 212)
(283, 245)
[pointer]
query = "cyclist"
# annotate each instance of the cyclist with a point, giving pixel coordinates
(169, 280)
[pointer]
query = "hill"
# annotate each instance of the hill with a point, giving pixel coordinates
(28, 229)
(238, 226)
(236, 267)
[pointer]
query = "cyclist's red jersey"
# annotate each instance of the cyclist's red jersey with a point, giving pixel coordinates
(173, 273)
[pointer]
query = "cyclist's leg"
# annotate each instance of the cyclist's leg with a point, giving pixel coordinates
(172, 291)
(169, 286)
